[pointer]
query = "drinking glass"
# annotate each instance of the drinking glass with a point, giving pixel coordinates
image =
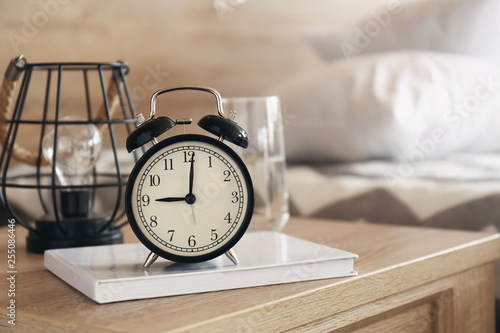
(261, 117)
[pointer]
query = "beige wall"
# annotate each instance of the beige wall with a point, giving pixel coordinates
(246, 50)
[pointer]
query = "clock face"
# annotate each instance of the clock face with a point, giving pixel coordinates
(189, 198)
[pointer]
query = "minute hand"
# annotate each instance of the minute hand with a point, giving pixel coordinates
(191, 175)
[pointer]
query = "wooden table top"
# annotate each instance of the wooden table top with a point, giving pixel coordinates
(391, 259)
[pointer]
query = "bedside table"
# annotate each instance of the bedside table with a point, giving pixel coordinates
(411, 279)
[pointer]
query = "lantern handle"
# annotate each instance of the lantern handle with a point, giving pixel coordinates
(12, 74)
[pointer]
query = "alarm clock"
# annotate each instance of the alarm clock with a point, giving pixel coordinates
(190, 197)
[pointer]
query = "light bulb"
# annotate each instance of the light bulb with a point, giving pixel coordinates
(78, 148)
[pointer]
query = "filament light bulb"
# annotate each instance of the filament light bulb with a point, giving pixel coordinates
(78, 148)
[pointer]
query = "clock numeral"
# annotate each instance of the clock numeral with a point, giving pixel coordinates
(169, 164)
(188, 156)
(171, 232)
(227, 173)
(191, 241)
(145, 200)
(235, 197)
(154, 180)
(153, 221)
(209, 161)
(214, 236)
(228, 218)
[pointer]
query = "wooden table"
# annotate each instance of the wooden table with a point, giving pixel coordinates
(410, 279)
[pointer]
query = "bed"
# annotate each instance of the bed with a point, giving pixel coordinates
(400, 123)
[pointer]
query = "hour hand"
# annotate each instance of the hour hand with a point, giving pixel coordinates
(171, 199)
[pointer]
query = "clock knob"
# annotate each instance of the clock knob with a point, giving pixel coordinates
(149, 130)
(225, 129)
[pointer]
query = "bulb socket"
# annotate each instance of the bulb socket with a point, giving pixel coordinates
(75, 203)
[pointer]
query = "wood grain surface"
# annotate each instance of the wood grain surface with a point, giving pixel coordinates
(437, 280)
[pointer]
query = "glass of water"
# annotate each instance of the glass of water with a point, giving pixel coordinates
(261, 117)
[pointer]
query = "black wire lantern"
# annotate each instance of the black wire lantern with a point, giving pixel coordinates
(70, 213)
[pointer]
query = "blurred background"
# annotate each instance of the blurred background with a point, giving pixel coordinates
(240, 48)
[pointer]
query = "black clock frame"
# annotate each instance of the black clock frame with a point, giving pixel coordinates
(245, 222)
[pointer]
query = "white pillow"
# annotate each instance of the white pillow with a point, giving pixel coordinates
(455, 26)
(407, 106)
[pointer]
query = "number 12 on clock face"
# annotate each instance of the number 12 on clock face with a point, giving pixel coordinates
(189, 198)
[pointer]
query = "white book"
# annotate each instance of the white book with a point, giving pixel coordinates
(113, 273)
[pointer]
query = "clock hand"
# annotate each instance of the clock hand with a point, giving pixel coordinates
(192, 214)
(171, 199)
(191, 175)
(190, 198)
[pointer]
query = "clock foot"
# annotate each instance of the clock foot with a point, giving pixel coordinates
(232, 256)
(150, 259)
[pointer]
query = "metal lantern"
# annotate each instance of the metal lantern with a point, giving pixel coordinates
(54, 188)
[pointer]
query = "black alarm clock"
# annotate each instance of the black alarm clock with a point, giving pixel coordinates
(190, 197)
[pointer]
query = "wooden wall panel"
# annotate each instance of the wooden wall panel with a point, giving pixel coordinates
(245, 49)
